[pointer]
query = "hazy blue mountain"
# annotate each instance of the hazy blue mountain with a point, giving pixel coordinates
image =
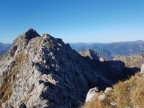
(106, 49)
(112, 49)
(4, 48)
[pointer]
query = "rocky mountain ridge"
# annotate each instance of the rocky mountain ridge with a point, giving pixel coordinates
(107, 50)
(44, 72)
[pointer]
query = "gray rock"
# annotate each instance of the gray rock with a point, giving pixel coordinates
(142, 68)
(92, 54)
(91, 93)
(42, 71)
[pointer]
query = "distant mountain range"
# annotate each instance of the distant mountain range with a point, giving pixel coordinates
(110, 50)
(4, 48)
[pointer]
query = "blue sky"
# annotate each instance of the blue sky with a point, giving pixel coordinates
(74, 20)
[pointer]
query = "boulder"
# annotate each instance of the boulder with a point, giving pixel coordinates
(91, 93)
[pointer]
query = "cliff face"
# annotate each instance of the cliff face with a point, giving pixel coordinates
(92, 54)
(42, 71)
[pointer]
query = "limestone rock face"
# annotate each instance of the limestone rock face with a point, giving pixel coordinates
(44, 72)
(91, 93)
(142, 68)
(92, 54)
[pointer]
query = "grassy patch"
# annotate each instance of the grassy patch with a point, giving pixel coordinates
(129, 93)
(9, 80)
(1, 58)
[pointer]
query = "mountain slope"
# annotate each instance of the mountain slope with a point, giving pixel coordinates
(127, 94)
(92, 54)
(131, 61)
(124, 94)
(42, 71)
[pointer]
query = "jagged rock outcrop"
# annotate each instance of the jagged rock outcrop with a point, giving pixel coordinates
(92, 54)
(112, 69)
(142, 68)
(44, 72)
(91, 93)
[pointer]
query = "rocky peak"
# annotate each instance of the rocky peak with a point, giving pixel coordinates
(26, 36)
(43, 71)
(29, 34)
(22, 41)
(92, 54)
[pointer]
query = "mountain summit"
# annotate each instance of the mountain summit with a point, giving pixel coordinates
(44, 72)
